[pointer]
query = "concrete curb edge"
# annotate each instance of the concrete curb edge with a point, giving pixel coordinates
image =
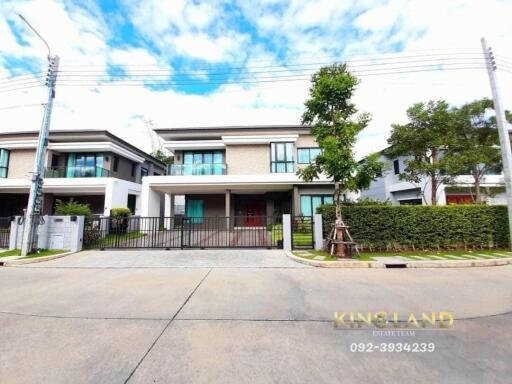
(408, 264)
(13, 263)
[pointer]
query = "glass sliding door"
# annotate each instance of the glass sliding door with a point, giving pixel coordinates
(195, 210)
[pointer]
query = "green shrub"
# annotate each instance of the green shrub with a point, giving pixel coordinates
(120, 212)
(423, 227)
(72, 208)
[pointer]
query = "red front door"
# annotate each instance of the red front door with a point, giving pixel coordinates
(253, 212)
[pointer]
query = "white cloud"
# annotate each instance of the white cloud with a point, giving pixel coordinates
(300, 32)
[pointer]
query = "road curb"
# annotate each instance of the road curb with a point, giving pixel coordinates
(13, 263)
(406, 264)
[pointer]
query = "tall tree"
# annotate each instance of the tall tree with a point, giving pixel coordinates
(423, 140)
(330, 112)
(476, 145)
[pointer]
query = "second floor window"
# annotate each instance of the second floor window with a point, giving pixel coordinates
(134, 169)
(4, 162)
(396, 166)
(116, 164)
(307, 155)
(281, 158)
(85, 165)
(203, 163)
(143, 172)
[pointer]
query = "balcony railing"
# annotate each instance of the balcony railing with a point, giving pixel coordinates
(57, 172)
(197, 169)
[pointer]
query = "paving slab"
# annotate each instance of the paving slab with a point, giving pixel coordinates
(50, 350)
(154, 258)
(298, 294)
(314, 352)
(97, 293)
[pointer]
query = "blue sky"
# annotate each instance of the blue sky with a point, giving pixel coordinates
(187, 41)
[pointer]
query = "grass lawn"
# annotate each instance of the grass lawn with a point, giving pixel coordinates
(299, 238)
(115, 238)
(415, 256)
(41, 253)
(12, 252)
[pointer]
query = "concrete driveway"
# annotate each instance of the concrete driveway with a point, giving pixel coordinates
(241, 317)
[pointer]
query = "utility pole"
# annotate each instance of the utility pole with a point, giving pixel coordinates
(506, 153)
(35, 199)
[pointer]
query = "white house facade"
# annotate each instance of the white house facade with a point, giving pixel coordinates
(390, 188)
(92, 167)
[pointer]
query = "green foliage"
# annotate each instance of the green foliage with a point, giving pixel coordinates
(366, 201)
(120, 212)
(72, 208)
(423, 227)
(330, 112)
(428, 132)
(476, 146)
(163, 157)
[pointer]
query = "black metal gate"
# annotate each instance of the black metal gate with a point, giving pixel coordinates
(183, 232)
(5, 231)
(302, 232)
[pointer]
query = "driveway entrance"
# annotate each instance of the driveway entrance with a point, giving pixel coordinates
(184, 232)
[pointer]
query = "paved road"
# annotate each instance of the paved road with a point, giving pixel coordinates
(241, 317)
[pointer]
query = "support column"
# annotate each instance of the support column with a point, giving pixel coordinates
(227, 207)
(287, 232)
(296, 200)
(169, 210)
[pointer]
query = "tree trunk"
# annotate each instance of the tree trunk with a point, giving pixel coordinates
(433, 176)
(434, 190)
(478, 194)
(338, 232)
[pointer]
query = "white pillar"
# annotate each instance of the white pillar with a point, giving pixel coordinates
(13, 235)
(318, 234)
(168, 210)
(287, 232)
(77, 234)
(116, 195)
(150, 201)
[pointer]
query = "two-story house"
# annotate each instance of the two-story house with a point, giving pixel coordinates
(90, 166)
(459, 191)
(244, 171)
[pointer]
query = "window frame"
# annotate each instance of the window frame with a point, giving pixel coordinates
(142, 169)
(5, 167)
(274, 152)
(309, 154)
(311, 196)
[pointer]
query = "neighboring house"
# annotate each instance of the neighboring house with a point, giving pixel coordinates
(390, 187)
(246, 171)
(90, 166)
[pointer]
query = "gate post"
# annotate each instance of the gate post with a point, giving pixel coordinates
(13, 235)
(318, 236)
(287, 232)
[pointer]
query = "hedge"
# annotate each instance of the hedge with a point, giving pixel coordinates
(423, 227)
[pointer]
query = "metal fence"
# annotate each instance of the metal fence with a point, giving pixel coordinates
(5, 231)
(184, 232)
(302, 232)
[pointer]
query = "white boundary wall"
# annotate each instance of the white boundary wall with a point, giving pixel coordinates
(57, 232)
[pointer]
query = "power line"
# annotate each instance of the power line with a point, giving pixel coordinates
(21, 106)
(383, 59)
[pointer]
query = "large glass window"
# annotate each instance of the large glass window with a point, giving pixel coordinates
(309, 203)
(4, 162)
(307, 155)
(203, 163)
(85, 165)
(281, 158)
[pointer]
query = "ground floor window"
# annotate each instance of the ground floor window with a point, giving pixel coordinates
(309, 203)
(195, 209)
